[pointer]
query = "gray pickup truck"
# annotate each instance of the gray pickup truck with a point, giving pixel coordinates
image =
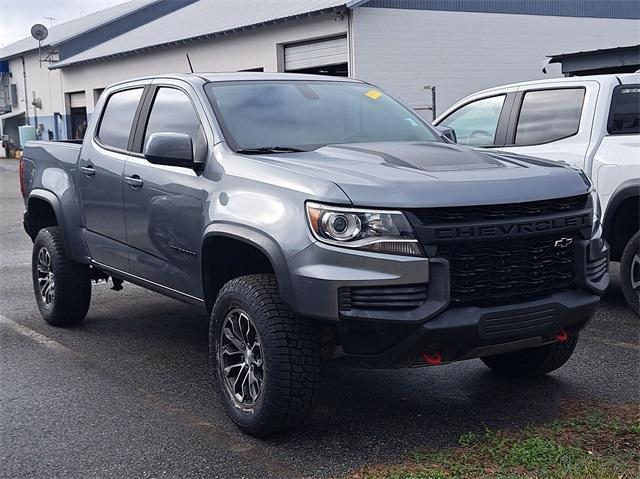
(315, 219)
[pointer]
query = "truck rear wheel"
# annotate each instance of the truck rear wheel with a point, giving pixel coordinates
(266, 360)
(533, 361)
(630, 272)
(62, 286)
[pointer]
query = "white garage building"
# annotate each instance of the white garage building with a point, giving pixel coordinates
(405, 46)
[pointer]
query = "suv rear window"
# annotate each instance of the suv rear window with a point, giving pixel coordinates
(117, 119)
(549, 115)
(624, 115)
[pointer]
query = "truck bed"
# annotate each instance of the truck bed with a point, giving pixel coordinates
(45, 154)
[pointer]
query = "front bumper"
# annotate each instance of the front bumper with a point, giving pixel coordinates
(395, 338)
(468, 332)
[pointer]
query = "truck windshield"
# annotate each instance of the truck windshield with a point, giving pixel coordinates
(282, 116)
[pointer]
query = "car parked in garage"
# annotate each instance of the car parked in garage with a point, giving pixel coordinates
(590, 122)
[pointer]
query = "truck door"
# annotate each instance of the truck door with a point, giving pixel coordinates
(164, 204)
(101, 168)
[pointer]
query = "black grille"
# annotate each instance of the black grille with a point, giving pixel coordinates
(486, 271)
(597, 269)
(500, 212)
(383, 297)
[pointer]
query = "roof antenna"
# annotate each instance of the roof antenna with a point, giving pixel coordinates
(190, 65)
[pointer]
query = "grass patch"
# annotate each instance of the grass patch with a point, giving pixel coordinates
(596, 441)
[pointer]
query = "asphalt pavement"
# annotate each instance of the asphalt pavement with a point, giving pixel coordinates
(128, 393)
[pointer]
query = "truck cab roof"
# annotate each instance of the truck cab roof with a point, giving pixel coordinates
(624, 79)
(209, 77)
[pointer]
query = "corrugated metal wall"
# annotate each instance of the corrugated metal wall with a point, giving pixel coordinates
(629, 9)
(404, 51)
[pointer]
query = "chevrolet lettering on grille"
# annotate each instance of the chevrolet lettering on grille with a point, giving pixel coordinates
(465, 232)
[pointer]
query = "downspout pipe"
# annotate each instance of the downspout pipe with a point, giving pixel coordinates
(26, 95)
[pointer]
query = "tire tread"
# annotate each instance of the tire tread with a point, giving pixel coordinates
(295, 367)
(72, 281)
(632, 247)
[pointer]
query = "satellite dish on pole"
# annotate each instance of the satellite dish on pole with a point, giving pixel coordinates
(39, 32)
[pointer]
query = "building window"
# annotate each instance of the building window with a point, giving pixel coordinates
(96, 95)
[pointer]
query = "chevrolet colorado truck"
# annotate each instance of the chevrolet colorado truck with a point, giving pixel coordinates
(315, 219)
(589, 122)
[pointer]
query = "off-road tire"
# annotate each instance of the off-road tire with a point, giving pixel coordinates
(290, 350)
(72, 291)
(629, 269)
(534, 361)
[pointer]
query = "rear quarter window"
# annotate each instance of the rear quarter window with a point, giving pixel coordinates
(117, 118)
(624, 113)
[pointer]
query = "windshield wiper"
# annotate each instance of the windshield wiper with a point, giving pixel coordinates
(270, 149)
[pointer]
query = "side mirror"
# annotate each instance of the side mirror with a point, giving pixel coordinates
(169, 148)
(447, 133)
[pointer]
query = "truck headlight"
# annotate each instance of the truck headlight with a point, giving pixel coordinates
(596, 211)
(372, 230)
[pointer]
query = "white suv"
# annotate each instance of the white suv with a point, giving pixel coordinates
(590, 122)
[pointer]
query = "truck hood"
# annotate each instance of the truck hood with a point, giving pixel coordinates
(430, 174)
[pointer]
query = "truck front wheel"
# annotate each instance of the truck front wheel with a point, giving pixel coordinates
(533, 361)
(62, 286)
(265, 359)
(630, 272)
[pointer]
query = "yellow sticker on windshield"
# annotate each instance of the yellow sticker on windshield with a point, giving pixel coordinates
(373, 94)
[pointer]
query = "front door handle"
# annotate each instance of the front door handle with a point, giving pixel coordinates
(88, 170)
(134, 181)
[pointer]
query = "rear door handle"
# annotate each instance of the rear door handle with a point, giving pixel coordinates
(88, 170)
(134, 181)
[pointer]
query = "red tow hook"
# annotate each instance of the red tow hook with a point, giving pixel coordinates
(432, 359)
(562, 336)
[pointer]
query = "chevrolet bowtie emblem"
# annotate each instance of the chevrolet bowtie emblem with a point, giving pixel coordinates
(563, 243)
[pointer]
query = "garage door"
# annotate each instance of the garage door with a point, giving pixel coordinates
(316, 54)
(77, 100)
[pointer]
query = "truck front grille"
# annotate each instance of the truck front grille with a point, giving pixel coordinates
(490, 271)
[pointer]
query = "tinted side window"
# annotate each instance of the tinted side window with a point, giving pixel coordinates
(476, 123)
(624, 116)
(548, 115)
(172, 111)
(117, 118)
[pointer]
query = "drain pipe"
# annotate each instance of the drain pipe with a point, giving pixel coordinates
(24, 79)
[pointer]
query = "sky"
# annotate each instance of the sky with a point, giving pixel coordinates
(17, 16)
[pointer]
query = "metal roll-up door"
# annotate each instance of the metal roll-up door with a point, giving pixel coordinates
(315, 54)
(77, 100)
